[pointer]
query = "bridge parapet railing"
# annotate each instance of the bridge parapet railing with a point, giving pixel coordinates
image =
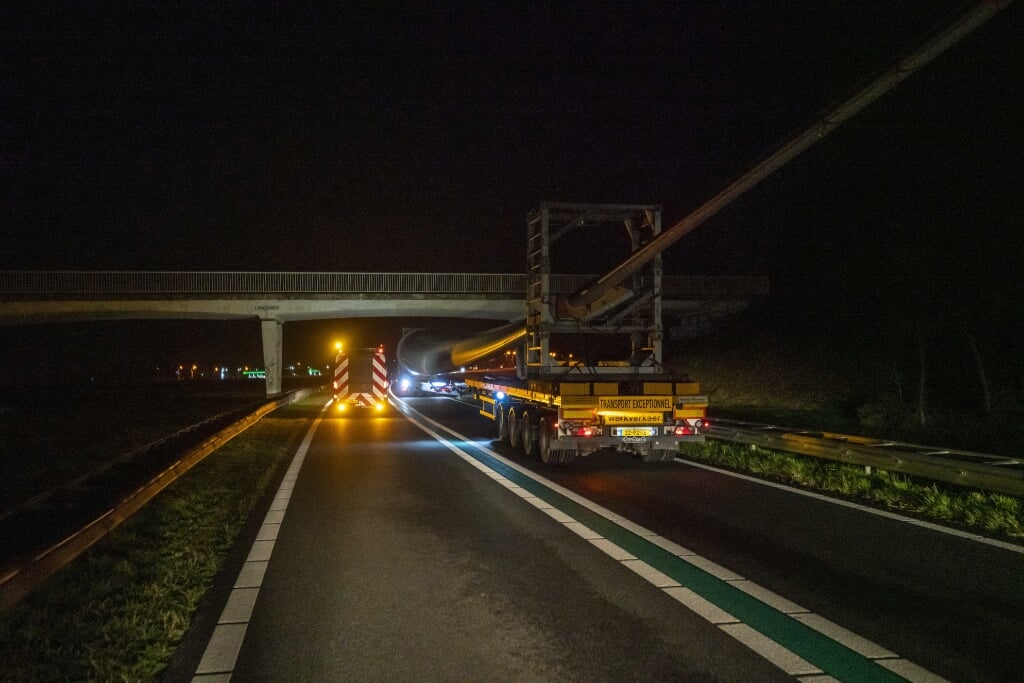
(27, 284)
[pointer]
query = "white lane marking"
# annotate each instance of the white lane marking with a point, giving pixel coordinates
(239, 606)
(785, 659)
(558, 515)
(977, 538)
(716, 570)
(645, 570)
(702, 607)
(778, 655)
(612, 550)
(582, 530)
(845, 637)
(910, 671)
(251, 575)
(218, 661)
(768, 597)
(222, 650)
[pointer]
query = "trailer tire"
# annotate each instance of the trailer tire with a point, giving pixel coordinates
(501, 416)
(528, 437)
(545, 435)
(658, 455)
(513, 428)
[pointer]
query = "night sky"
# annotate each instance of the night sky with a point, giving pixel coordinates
(416, 137)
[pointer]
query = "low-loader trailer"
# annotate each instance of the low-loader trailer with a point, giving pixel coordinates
(588, 376)
(561, 419)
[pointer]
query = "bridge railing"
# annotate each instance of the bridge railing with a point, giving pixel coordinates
(127, 283)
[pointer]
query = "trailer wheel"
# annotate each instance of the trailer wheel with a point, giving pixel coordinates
(501, 416)
(513, 428)
(544, 438)
(658, 455)
(528, 439)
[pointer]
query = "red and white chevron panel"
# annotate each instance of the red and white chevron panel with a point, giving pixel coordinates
(340, 376)
(379, 377)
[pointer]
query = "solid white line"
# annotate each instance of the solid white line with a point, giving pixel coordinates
(977, 538)
(221, 654)
(775, 653)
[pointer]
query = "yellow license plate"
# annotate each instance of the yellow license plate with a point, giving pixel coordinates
(636, 432)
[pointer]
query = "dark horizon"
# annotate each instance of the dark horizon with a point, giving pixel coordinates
(416, 139)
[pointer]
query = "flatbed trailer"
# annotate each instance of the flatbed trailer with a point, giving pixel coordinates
(560, 420)
(586, 377)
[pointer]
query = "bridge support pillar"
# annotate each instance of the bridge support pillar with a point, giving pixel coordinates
(272, 355)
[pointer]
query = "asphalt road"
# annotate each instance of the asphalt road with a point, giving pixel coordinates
(396, 559)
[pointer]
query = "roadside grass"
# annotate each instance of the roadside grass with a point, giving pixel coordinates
(823, 374)
(991, 514)
(119, 611)
(42, 445)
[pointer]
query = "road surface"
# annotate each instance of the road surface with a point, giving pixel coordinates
(405, 554)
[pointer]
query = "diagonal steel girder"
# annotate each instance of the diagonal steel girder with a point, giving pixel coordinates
(965, 24)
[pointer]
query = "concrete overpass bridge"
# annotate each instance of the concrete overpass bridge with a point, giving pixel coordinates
(279, 297)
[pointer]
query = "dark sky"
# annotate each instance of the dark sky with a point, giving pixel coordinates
(416, 136)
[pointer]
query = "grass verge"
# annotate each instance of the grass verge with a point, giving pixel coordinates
(990, 514)
(119, 611)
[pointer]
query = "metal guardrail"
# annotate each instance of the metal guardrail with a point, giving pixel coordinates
(125, 283)
(993, 473)
(31, 571)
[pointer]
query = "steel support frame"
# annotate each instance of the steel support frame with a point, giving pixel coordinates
(638, 312)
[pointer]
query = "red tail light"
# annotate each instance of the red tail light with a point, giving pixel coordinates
(575, 430)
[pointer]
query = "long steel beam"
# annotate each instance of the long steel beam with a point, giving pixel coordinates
(906, 66)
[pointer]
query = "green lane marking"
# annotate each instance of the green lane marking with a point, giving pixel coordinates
(833, 658)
